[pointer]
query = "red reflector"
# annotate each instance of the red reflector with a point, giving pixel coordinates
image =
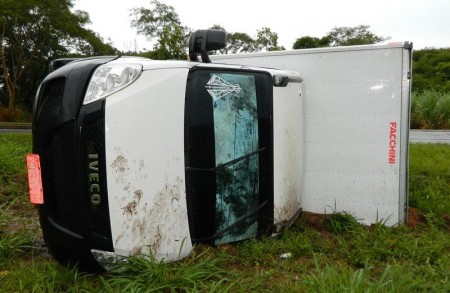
(35, 179)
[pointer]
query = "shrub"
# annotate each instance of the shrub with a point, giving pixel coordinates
(18, 114)
(430, 109)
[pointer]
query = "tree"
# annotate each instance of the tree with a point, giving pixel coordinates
(340, 36)
(308, 42)
(89, 43)
(236, 42)
(162, 23)
(239, 42)
(267, 40)
(34, 31)
(431, 70)
(349, 36)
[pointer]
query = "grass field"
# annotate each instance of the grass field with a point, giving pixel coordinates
(329, 254)
(430, 110)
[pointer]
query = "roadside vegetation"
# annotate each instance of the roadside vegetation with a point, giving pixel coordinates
(431, 70)
(48, 30)
(18, 114)
(430, 109)
(329, 253)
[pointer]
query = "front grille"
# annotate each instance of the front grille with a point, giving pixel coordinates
(49, 110)
(52, 99)
(57, 196)
(95, 148)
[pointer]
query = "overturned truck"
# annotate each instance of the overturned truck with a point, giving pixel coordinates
(135, 156)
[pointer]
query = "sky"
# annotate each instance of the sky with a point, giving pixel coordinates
(425, 23)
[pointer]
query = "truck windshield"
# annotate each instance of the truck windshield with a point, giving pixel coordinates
(228, 155)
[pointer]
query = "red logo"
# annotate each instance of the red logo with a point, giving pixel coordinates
(392, 142)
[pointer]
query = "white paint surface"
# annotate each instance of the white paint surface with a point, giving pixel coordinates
(146, 179)
(351, 96)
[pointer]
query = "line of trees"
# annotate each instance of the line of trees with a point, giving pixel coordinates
(34, 32)
(431, 70)
(162, 24)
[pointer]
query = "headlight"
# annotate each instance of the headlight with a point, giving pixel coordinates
(108, 260)
(109, 78)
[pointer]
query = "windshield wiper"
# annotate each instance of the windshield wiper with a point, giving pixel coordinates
(228, 164)
(221, 233)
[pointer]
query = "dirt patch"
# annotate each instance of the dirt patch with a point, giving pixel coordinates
(120, 164)
(315, 221)
(130, 208)
(415, 218)
(228, 248)
(447, 221)
(138, 194)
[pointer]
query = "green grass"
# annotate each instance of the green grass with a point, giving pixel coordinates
(333, 253)
(35, 273)
(13, 148)
(14, 211)
(203, 270)
(430, 110)
(429, 172)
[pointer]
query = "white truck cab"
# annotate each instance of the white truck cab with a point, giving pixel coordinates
(143, 157)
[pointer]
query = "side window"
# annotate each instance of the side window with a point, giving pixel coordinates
(228, 155)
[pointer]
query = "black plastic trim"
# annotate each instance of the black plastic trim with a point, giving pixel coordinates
(200, 161)
(58, 124)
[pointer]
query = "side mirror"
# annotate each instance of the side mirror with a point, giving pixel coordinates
(202, 41)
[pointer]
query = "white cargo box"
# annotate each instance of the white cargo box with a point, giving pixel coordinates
(356, 111)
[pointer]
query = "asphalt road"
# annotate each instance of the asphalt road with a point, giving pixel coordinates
(9, 130)
(8, 127)
(429, 136)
